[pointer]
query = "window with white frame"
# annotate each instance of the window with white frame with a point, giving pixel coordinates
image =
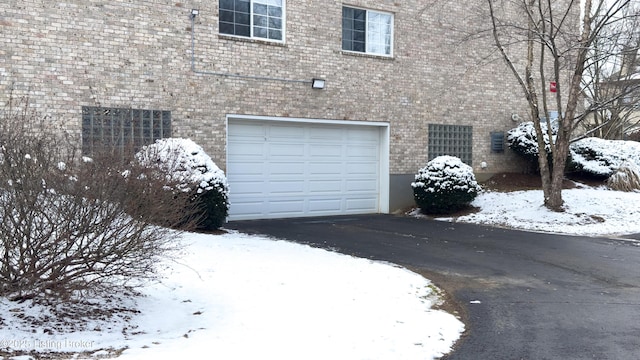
(263, 19)
(367, 31)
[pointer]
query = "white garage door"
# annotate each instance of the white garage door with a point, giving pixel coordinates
(292, 169)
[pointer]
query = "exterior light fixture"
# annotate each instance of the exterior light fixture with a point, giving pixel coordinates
(194, 13)
(317, 83)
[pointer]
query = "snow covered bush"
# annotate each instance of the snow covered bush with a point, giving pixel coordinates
(445, 185)
(602, 158)
(626, 178)
(523, 140)
(71, 226)
(186, 165)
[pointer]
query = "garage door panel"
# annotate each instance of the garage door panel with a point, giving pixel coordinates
(361, 205)
(324, 205)
(326, 169)
(292, 188)
(325, 151)
(363, 152)
(246, 130)
(249, 188)
(366, 135)
(292, 170)
(325, 186)
(285, 206)
(279, 151)
(360, 185)
(249, 150)
(326, 133)
(277, 132)
(286, 169)
(249, 209)
(366, 168)
(246, 168)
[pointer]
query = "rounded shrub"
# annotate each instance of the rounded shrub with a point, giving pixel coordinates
(444, 186)
(187, 168)
(600, 158)
(523, 140)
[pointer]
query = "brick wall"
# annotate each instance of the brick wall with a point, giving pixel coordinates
(126, 53)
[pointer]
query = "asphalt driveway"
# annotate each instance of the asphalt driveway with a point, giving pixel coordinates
(522, 295)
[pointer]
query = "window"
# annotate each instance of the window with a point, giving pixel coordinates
(121, 127)
(453, 140)
(366, 31)
(497, 141)
(262, 19)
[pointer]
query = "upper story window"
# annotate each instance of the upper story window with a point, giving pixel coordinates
(367, 31)
(263, 19)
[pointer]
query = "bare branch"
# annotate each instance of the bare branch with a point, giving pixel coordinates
(68, 225)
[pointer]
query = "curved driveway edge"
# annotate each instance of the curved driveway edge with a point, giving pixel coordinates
(526, 295)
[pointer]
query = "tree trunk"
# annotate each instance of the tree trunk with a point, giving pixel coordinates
(543, 162)
(553, 197)
(543, 30)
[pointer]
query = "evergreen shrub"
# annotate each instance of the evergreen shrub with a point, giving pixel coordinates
(444, 186)
(187, 168)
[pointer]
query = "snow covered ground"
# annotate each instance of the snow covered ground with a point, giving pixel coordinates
(235, 296)
(588, 211)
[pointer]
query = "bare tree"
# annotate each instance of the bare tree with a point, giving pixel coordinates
(612, 81)
(556, 38)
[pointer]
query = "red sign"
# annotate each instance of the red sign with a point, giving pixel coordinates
(553, 87)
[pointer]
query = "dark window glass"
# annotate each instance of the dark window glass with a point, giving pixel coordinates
(260, 9)
(235, 19)
(275, 34)
(275, 11)
(260, 32)
(243, 6)
(371, 35)
(227, 4)
(353, 26)
(260, 21)
(226, 16)
(233, 13)
(242, 19)
(275, 23)
(227, 28)
(243, 30)
(358, 36)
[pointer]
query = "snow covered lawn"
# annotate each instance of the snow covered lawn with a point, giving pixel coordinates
(236, 296)
(588, 211)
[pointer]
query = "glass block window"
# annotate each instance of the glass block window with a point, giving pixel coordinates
(262, 19)
(453, 140)
(367, 31)
(108, 128)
